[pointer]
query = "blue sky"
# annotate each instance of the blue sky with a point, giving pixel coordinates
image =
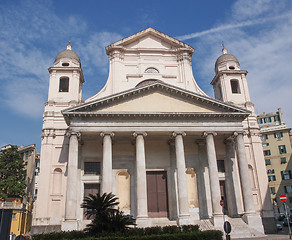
(257, 32)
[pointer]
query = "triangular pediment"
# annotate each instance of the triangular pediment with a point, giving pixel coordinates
(156, 102)
(156, 99)
(149, 39)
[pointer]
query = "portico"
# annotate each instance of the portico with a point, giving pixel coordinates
(139, 147)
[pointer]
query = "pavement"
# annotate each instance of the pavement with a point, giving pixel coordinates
(268, 237)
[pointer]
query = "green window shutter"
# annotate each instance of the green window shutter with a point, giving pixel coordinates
(282, 174)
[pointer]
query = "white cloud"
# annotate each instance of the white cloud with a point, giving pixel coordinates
(31, 36)
(263, 46)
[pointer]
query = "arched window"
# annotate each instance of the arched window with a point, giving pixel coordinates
(57, 181)
(234, 86)
(64, 84)
(151, 70)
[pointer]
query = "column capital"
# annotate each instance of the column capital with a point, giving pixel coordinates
(205, 134)
(69, 133)
(111, 134)
(135, 134)
(174, 134)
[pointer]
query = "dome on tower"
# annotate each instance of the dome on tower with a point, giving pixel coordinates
(68, 53)
(226, 60)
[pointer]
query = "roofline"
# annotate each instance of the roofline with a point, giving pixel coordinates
(150, 29)
(229, 72)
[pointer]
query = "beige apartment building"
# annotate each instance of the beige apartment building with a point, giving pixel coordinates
(277, 151)
(22, 207)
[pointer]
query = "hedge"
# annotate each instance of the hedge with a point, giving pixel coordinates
(163, 233)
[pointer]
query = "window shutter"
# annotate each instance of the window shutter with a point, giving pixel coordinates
(282, 174)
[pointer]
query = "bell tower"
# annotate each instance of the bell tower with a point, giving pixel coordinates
(65, 90)
(230, 84)
(66, 78)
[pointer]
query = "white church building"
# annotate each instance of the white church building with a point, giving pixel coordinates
(152, 137)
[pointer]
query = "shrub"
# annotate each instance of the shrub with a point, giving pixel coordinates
(171, 229)
(60, 235)
(153, 230)
(190, 228)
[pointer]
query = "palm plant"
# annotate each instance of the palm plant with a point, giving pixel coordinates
(104, 214)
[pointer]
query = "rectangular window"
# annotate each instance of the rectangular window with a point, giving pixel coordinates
(13, 215)
(272, 178)
(267, 152)
(282, 149)
(288, 189)
(220, 165)
(283, 160)
(26, 155)
(264, 137)
(265, 144)
(272, 190)
(278, 135)
(64, 84)
(235, 86)
(268, 162)
(286, 175)
(260, 121)
(271, 171)
(92, 168)
(267, 120)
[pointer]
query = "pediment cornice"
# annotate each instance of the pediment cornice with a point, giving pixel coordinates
(119, 45)
(223, 110)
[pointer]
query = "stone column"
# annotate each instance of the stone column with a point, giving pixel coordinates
(183, 203)
(106, 186)
(214, 178)
(71, 192)
(244, 175)
(141, 185)
(232, 180)
(205, 204)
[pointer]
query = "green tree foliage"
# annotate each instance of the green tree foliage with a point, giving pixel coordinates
(105, 215)
(12, 173)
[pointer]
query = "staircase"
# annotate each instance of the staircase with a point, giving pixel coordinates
(239, 229)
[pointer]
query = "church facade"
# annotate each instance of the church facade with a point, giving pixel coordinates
(152, 137)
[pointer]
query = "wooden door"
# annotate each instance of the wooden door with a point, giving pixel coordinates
(157, 200)
(90, 188)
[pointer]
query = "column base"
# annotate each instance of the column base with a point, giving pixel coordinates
(254, 221)
(217, 221)
(184, 220)
(69, 225)
(143, 222)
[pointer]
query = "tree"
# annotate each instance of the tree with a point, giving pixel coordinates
(12, 173)
(105, 215)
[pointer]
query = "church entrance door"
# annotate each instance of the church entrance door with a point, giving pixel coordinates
(157, 199)
(223, 195)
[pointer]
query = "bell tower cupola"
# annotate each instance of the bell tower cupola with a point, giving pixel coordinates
(230, 84)
(66, 78)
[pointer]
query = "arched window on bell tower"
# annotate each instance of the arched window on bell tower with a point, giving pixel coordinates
(234, 83)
